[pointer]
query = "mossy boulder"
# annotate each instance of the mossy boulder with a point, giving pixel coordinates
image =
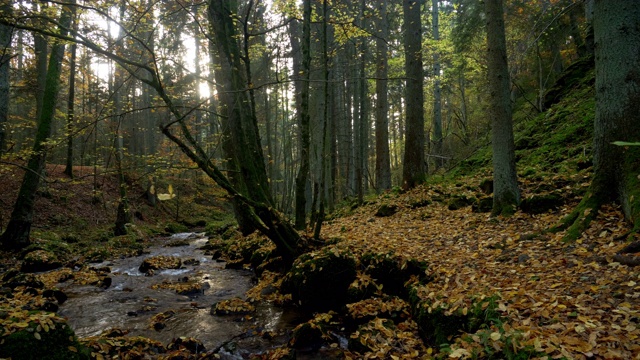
(438, 324)
(319, 280)
(174, 228)
(459, 201)
(40, 260)
(386, 210)
(486, 186)
(160, 263)
(14, 278)
(539, 204)
(366, 338)
(392, 272)
(35, 342)
(312, 334)
(482, 205)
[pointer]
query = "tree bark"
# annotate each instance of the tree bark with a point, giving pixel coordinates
(383, 163)
(5, 55)
(71, 99)
(413, 171)
(437, 95)
(16, 236)
(617, 50)
(304, 119)
(506, 194)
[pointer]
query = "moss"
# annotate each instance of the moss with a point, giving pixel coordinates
(319, 281)
(56, 344)
(174, 228)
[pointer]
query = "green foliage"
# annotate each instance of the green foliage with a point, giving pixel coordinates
(58, 343)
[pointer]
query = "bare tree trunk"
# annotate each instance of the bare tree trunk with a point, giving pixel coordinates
(437, 94)
(304, 119)
(71, 100)
(383, 163)
(5, 55)
(414, 170)
(506, 194)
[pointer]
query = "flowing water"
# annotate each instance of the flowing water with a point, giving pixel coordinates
(130, 302)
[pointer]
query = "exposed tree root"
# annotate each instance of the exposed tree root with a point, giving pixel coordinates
(579, 219)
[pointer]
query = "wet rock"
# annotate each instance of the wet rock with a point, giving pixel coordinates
(58, 295)
(235, 264)
(106, 282)
(319, 281)
(160, 263)
(191, 262)
(178, 243)
(192, 345)
(40, 260)
(112, 333)
(235, 306)
(386, 210)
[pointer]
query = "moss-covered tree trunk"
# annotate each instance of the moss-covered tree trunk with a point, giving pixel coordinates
(616, 26)
(16, 236)
(506, 194)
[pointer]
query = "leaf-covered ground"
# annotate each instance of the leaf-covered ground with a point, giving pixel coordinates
(561, 299)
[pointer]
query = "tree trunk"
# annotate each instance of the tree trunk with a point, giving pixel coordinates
(71, 100)
(437, 95)
(304, 119)
(383, 163)
(617, 45)
(16, 236)
(506, 194)
(413, 171)
(5, 56)
(247, 154)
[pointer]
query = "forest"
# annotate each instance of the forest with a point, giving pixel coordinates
(319, 179)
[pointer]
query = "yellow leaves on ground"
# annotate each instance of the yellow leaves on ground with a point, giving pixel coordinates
(563, 299)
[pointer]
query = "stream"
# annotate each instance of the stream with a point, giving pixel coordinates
(130, 302)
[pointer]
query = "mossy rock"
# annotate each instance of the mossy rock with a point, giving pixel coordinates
(58, 343)
(13, 278)
(486, 186)
(319, 281)
(311, 335)
(482, 205)
(392, 272)
(539, 204)
(363, 287)
(386, 210)
(437, 325)
(174, 228)
(40, 260)
(459, 201)
(416, 204)
(160, 263)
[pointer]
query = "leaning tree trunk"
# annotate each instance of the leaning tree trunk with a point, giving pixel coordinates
(617, 51)
(16, 236)
(506, 194)
(247, 155)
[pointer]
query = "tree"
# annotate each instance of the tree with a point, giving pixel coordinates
(414, 170)
(16, 236)
(437, 94)
(383, 163)
(506, 194)
(5, 56)
(304, 118)
(617, 116)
